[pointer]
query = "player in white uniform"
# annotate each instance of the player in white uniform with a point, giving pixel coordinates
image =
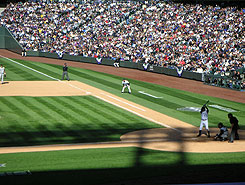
(204, 120)
(125, 84)
(2, 73)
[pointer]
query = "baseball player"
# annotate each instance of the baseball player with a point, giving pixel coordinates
(204, 120)
(2, 73)
(223, 134)
(65, 72)
(117, 63)
(125, 84)
(234, 128)
(23, 52)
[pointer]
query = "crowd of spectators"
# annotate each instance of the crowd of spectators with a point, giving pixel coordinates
(199, 38)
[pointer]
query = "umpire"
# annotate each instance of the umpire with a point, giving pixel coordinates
(234, 128)
(65, 72)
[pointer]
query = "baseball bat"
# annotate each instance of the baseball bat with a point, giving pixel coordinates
(206, 103)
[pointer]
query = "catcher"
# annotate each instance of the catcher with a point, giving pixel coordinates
(223, 134)
(125, 84)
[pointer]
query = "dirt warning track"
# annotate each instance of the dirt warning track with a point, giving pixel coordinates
(176, 136)
(161, 79)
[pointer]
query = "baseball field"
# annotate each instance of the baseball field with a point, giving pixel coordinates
(85, 131)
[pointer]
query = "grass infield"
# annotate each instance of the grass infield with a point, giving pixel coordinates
(46, 120)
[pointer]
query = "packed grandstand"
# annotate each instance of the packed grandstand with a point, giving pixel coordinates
(193, 37)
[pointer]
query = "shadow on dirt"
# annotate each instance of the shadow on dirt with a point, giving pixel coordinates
(140, 172)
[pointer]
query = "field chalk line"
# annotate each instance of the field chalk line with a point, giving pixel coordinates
(124, 102)
(45, 74)
(147, 94)
(150, 119)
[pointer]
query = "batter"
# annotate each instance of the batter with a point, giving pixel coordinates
(204, 120)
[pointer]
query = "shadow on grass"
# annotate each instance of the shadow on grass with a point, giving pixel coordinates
(140, 172)
(143, 175)
(64, 136)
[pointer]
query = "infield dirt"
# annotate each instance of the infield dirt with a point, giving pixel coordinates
(177, 136)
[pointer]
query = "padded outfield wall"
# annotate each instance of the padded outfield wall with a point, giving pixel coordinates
(126, 64)
(7, 41)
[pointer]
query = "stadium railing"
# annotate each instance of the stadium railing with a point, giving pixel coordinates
(224, 81)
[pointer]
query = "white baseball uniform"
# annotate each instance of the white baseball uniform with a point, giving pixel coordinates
(204, 119)
(125, 84)
(2, 69)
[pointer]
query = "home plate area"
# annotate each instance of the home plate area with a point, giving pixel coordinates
(176, 136)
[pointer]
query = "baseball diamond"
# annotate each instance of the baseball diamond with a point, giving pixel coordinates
(90, 114)
(98, 92)
(154, 138)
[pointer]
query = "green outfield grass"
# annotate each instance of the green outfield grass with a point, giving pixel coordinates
(49, 120)
(46, 120)
(99, 166)
(170, 101)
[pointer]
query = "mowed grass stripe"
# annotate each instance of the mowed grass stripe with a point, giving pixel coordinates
(59, 114)
(21, 130)
(100, 80)
(171, 92)
(114, 111)
(41, 106)
(106, 110)
(106, 119)
(170, 96)
(87, 112)
(39, 119)
(50, 107)
(64, 124)
(174, 106)
(116, 86)
(77, 112)
(44, 68)
(19, 73)
(15, 107)
(109, 79)
(127, 116)
(37, 114)
(67, 110)
(63, 118)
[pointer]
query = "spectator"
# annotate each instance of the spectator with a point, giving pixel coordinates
(206, 39)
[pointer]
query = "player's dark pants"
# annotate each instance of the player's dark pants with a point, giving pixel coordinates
(234, 133)
(65, 73)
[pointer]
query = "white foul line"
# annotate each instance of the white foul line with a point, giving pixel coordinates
(142, 92)
(123, 101)
(45, 74)
(150, 119)
(30, 68)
